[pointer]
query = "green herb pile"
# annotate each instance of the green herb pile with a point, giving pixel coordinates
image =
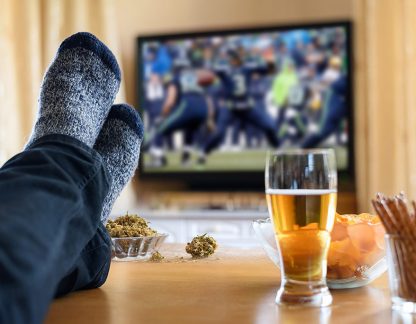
(201, 246)
(129, 226)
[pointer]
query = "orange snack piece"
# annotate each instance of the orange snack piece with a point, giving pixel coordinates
(379, 234)
(339, 232)
(362, 236)
(357, 242)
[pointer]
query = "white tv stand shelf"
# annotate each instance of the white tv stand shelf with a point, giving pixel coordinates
(229, 228)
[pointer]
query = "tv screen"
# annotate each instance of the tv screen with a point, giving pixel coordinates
(215, 102)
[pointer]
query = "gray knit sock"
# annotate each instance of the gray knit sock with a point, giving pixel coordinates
(119, 144)
(78, 90)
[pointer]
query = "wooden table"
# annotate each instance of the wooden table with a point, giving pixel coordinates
(233, 286)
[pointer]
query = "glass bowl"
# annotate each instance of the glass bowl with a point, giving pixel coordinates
(135, 248)
(356, 257)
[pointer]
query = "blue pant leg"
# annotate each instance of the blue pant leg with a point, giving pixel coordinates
(213, 141)
(51, 198)
(265, 123)
(237, 127)
(190, 134)
(177, 119)
(92, 266)
(252, 132)
(189, 116)
(281, 117)
(168, 141)
(153, 110)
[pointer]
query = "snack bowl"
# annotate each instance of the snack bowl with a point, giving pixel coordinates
(356, 255)
(135, 248)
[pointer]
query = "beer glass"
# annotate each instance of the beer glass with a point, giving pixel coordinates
(301, 191)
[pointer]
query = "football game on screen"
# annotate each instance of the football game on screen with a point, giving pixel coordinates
(217, 103)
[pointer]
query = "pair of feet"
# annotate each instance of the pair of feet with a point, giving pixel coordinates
(76, 99)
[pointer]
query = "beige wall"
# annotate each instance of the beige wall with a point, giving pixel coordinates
(140, 17)
(385, 70)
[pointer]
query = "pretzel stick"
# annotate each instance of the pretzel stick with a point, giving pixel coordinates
(388, 216)
(404, 280)
(379, 210)
(399, 222)
(391, 210)
(408, 220)
(385, 217)
(397, 250)
(413, 215)
(405, 218)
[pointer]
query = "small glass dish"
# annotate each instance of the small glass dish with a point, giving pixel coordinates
(400, 257)
(365, 270)
(135, 248)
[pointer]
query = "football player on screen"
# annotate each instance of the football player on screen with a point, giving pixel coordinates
(238, 103)
(335, 112)
(187, 107)
(154, 99)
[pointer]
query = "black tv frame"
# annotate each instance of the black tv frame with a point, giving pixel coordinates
(250, 180)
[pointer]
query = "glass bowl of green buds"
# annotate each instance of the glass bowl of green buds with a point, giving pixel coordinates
(132, 239)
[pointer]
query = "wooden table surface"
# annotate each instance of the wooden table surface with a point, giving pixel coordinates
(233, 286)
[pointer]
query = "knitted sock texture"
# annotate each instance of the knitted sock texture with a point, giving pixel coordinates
(119, 144)
(78, 90)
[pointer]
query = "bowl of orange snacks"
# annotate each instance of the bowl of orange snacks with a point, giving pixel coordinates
(356, 254)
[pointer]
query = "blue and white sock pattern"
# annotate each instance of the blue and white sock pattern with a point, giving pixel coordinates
(78, 90)
(119, 144)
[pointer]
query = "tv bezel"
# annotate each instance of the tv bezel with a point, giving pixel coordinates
(246, 180)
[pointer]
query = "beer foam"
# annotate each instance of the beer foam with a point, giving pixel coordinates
(300, 192)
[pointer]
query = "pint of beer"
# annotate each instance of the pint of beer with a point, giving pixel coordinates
(301, 190)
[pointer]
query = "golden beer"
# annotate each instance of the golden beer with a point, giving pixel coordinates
(302, 221)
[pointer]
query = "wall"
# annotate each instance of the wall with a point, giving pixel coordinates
(385, 66)
(145, 17)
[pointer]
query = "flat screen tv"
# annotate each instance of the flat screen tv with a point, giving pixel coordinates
(214, 102)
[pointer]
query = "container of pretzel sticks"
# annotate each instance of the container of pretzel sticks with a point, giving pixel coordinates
(400, 224)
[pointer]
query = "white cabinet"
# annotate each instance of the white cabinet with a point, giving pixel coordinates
(175, 228)
(228, 228)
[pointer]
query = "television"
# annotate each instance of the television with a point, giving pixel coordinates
(214, 102)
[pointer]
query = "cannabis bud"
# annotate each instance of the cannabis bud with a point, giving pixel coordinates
(156, 257)
(129, 226)
(201, 246)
